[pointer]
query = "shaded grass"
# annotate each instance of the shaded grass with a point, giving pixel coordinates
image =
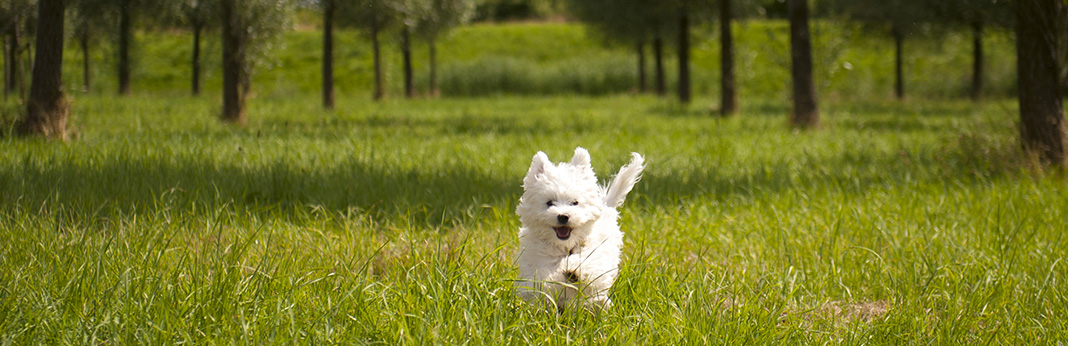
(393, 223)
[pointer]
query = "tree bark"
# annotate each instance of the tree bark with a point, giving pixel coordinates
(195, 70)
(1042, 128)
(684, 57)
(658, 65)
(899, 73)
(83, 40)
(728, 95)
(642, 85)
(328, 54)
(234, 61)
(47, 109)
(380, 91)
(125, 38)
(977, 61)
(406, 52)
(805, 111)
(433, 53)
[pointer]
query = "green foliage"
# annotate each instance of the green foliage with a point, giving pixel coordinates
(260, 23)
(510, 10)
(896, 223)
(632, 21)
(434, 18)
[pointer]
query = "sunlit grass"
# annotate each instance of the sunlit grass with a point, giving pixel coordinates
(393, 222)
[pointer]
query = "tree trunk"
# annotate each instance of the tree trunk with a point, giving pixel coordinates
(658, 65)
(380, 91)
(684, 57)
(433, 52)
(805, 111)
(20, 77)
(977, 61)
(1042, 129)
(328, 54)
(14, 66)
(83, 40)
(125, 38)
(195, 70)
(7, 67)
(728, 95)
(406, 52)
(47, 109)
(233, 42)
(899, 73)
(642, 85)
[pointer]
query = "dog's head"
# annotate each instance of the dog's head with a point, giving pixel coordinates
(561, 201)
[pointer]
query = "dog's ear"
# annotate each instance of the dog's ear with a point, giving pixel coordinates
(581, 158)
(537, 166)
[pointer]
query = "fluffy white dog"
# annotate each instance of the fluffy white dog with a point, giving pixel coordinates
(570, 241)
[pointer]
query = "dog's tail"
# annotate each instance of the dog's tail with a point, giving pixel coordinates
(624, 181)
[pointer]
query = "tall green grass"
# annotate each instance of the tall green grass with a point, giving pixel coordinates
(562, 58)
(393, 223)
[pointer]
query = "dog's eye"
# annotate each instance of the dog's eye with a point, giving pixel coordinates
(549, 203)
(574, 203)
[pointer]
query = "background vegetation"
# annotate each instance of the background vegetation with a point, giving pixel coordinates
(567, 60)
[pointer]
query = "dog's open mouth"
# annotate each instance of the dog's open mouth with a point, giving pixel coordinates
(562, 232)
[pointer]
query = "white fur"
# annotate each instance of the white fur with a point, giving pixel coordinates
(591, 252)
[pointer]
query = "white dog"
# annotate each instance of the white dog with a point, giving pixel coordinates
(570, 241)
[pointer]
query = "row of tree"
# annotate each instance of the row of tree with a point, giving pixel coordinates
(642, 22)
(1039, 25)
(246, 27)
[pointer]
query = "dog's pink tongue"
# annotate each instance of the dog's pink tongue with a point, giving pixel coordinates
(562, 232)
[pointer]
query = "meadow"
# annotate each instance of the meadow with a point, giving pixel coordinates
(911, 222)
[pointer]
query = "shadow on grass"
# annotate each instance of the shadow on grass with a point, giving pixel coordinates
(187, 185)
(456, 194)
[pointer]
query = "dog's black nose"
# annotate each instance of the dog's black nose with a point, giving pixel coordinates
(562, 218)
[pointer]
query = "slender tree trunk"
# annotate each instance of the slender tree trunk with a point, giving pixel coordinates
(83, 40)
(14, 66)
(805, 112)
(125, 38)
(977, 61)
(1042, 128)
(7, 67)
(406, 52)
(684, 57)
(47, 109)
(198, 27)
(380, 91)
(20, 77)
(658, 65)
(728, 95)
(642, 84)
(899, 73)
(328, 54)
(433, 52)
(233, 42)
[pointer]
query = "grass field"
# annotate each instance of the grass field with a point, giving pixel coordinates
(394, 222)
(912, 222)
